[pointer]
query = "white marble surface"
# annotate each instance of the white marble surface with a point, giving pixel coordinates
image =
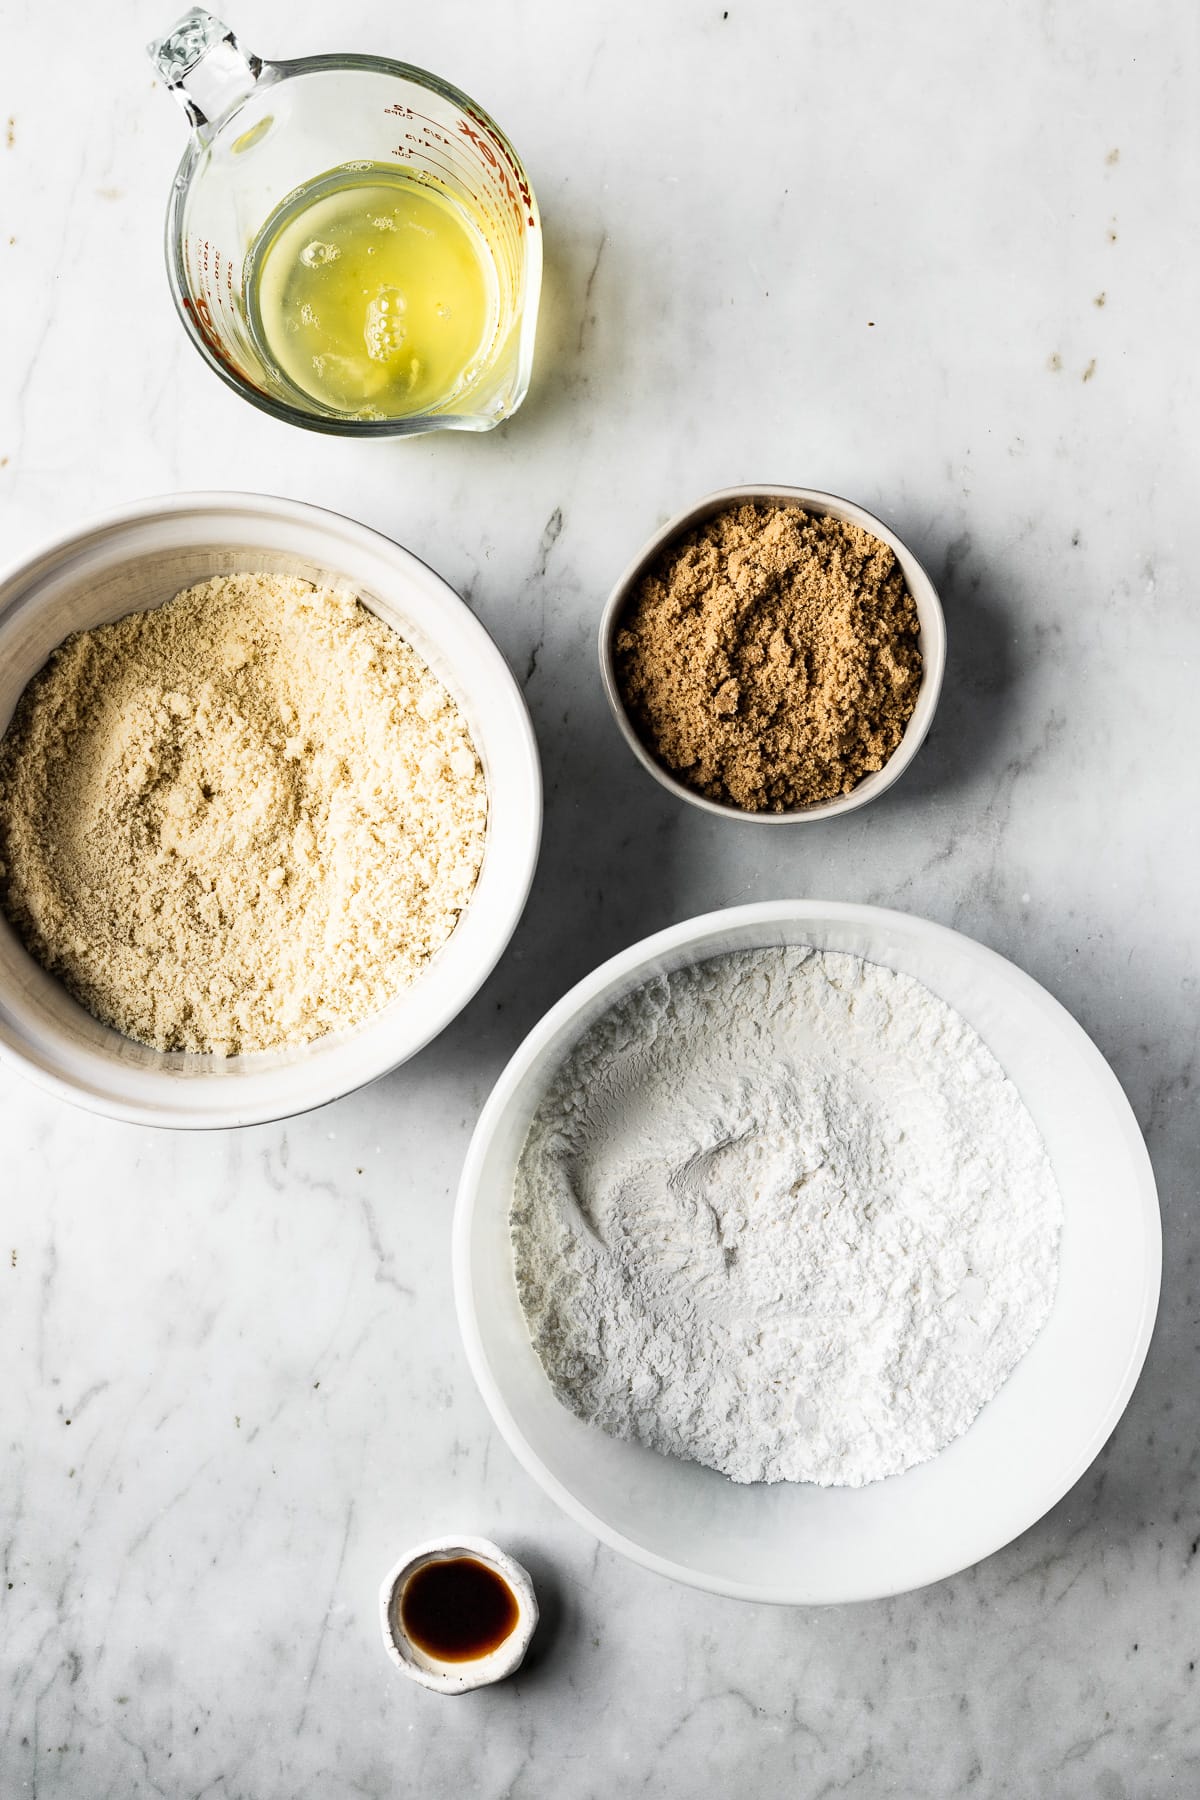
(938, 258)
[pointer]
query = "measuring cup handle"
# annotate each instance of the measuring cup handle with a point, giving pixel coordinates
(206, 68)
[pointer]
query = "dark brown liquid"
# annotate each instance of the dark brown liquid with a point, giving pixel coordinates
(457, 1609)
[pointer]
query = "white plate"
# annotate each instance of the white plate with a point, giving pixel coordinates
(796, 1543)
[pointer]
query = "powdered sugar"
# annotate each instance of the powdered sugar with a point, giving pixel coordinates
(782, 1213)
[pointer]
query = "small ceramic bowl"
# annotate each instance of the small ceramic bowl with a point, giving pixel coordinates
(931, 637)
(480, 1671)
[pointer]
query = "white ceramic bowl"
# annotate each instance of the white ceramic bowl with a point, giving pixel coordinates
(798, 1543)
(142, 555)
(931, 637)
(481, 1671)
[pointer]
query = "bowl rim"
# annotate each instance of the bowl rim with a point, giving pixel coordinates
(932, 634)
(694, 932)
(25, 572)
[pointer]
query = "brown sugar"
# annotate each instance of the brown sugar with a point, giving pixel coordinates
(769, 659)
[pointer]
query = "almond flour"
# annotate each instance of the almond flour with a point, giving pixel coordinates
(239, 821)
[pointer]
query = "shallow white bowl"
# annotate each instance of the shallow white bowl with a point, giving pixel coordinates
(931, 637)
(142, 555)
(803, 1544)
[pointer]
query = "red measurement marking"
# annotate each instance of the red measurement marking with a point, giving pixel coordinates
(480, 144)
(509, 189)
(501, 165)
(426, 140)
(408, 113)
(485, 126)
(201, 317)
(452, 173)
(485, 148)
(200, 313)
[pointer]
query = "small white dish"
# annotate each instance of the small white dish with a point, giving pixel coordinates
(931, 637)
(793, 1543)
(447, 1677)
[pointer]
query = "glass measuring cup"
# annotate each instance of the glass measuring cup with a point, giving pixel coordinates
(261, 131)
